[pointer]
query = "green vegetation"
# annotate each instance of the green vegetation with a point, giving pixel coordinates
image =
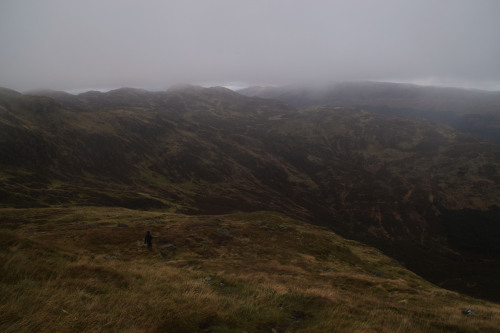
(76, 269)
(414, 188)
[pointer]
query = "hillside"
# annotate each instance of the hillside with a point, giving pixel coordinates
(476, 112)
(420, 191)
(87, 269)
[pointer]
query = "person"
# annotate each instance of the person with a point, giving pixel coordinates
(149, 240)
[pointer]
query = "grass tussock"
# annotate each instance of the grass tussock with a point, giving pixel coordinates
(75, 269)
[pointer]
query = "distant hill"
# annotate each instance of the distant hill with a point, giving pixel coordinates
(423, 192)
(472, 111)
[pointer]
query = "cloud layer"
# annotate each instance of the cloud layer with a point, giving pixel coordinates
(152, 44)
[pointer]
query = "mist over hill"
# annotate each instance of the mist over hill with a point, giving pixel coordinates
(422, 191)
(476, 112)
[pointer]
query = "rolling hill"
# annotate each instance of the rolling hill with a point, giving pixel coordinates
(476, 112)
(419, 190)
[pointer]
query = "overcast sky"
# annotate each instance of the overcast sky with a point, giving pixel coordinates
(152, 44)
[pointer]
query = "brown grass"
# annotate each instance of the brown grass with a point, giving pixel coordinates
(74, 269)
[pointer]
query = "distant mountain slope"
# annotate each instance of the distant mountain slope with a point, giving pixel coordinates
(472, 111)
(419, 190)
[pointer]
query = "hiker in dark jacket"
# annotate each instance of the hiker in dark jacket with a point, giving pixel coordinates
(149, 240)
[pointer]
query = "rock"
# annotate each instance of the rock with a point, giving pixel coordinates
(122, 225)
(167, 246)
(208, 280)
(114, 256)
(224, 232)
(468, 312)
(286, 227)
(195, 228)
(378, 273)
(298, 315)
(258, 222)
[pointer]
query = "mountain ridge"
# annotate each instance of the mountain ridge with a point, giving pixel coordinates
(214, 151)
(476, 112)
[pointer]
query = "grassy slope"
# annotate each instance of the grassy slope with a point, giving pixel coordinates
(74, 269)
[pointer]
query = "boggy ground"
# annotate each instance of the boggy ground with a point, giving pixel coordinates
(88, 269)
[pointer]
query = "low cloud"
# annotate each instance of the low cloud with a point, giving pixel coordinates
(154, 44)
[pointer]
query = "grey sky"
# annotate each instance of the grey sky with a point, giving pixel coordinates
(62, 44)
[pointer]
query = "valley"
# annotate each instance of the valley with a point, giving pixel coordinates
(249, 191)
